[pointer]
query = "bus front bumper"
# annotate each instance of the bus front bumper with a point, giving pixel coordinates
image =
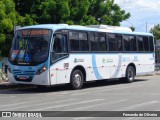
(42, 79)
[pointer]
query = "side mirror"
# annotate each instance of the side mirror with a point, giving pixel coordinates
(53, 52)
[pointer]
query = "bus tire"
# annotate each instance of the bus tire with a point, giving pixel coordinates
(130, 74)
(77, 79)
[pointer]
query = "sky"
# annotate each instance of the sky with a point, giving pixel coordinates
(144, 13)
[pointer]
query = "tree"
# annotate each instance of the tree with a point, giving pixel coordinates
(132, 28)
(107, 12)
(83, 12)
(156, 31)
(8, 18)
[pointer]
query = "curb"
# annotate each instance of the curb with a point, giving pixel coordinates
(7, 85)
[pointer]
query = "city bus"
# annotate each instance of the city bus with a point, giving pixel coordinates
(52, 54)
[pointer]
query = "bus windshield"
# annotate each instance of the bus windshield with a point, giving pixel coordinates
(30, 46)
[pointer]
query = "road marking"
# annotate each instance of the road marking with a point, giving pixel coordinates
(8, 105)
(137, 105)
(133, 118)
(41, 104)
(95, 91)
(83, 118)
(96, 105)
(7, 97)
(92, 116)
(65, 105)
(19, 103)
(108, 89)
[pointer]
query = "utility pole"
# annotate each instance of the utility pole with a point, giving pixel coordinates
(146, 27)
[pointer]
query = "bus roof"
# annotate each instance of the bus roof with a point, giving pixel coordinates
(96, 28)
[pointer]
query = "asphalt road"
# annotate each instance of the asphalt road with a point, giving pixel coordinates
(141, 95)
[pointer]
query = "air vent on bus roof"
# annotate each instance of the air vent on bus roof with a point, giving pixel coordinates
(108, 27)
(63, 24)
(77, 26)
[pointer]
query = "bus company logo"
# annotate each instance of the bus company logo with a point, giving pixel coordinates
(103, 60)
(78, 60)
(6, 114)
(75, 60)
(107, 60)
(135, 58)
(126, 59)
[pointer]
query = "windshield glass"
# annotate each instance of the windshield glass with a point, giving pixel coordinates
(30, 46)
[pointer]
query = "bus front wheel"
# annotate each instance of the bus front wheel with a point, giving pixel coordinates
(77, 79)
(130, 74)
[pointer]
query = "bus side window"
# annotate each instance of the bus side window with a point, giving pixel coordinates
(60, 44)
(129, 43)
(74, 40)
(151, 43)
(64, 43)
(60, 48)
(140, 43)
(56, 46)
(111, 42)
(83, 41)
(146, 43)
(118, 42)
(102, 42)
(133, 43)
(94, 42)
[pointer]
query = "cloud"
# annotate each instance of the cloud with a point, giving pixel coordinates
(142, 12)
(139, 4)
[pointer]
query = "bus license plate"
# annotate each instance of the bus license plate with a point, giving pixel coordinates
(22, 78)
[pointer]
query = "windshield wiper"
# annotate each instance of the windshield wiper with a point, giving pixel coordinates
(16, 58)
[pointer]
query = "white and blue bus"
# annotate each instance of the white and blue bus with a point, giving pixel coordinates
(54, 54)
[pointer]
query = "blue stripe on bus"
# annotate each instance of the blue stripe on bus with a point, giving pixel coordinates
(96, 72)
(118, 67)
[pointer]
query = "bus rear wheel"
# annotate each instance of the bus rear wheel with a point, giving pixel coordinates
(130, 74)
(77, 79)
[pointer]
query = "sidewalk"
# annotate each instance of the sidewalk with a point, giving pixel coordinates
(157, 72)
(7, 85)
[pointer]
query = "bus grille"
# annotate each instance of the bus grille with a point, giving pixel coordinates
(20, 72)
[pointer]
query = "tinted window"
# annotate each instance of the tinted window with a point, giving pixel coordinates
(102, 42)
(78, 41)
(74, 41)
(146, 43)
(59, 47)
(140, 43)
(60, 44)
(111, 42)
(94, 42)
(115, 42)
(151, 43)
(83, 42)
(143, 43)
(129, 43)
(119, 45)
(133, 43)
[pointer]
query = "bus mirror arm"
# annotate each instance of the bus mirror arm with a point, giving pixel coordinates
(53, 52)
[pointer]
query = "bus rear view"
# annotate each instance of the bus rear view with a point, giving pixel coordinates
(29, 57)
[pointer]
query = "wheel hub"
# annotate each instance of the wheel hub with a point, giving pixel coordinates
(77, 79)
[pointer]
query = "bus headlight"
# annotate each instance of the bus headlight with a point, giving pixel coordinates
(41, 70)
